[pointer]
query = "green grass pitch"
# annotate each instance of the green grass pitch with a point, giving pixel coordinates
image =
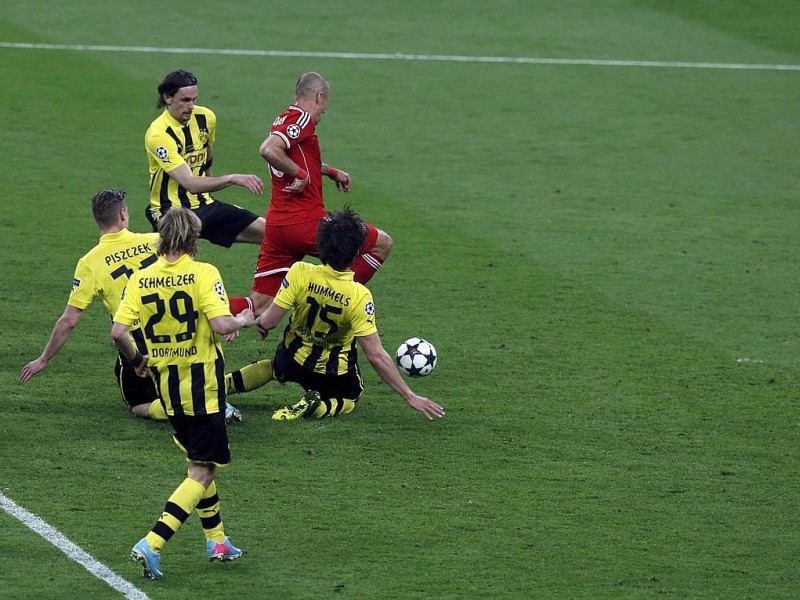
(605, 257)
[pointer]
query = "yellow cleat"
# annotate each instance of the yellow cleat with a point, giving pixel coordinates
(303, 409)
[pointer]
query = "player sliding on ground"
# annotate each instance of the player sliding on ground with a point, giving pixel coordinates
(103, 272)
(330, 314)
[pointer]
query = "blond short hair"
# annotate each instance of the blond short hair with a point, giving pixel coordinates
(178, 231)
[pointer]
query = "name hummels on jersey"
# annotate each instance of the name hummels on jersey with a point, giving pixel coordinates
(131, 252)
(327, 292)
(166, 281)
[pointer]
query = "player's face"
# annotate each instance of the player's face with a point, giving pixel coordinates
(181, 105)
(322, 105)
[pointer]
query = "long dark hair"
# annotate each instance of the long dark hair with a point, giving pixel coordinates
(172, 83)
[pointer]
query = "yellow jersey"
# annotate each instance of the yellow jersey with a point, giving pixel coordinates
(329, 310)
(105, 269)
(170, 144)
(175, 303)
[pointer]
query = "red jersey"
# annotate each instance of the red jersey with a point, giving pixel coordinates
(298, 132)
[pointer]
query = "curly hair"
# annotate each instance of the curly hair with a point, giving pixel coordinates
(339, 238)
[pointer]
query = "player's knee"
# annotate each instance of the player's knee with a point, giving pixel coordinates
(383, 245)
(253, 233)
(140, 410)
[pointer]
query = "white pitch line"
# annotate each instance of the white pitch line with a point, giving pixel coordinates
(87, 561)
(409, 57)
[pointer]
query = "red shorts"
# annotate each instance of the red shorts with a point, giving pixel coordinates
(284, 245)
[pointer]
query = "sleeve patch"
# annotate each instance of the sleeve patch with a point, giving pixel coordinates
(293, 131)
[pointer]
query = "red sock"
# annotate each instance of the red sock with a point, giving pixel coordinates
(238, 304)
(365, 267)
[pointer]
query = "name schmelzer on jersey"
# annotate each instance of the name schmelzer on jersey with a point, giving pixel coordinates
(166, 281)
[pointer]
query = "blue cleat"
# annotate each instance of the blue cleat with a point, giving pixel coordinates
(222, 551)
(232, 414)
(149, 559)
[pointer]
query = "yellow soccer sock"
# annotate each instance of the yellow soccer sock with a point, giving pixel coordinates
(156, 411)
(208, 511)
(180, 505)
(332, 407)
(249, 377)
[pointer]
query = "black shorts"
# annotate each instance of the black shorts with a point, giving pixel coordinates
(348, 386)
(204, 438)
(222, 223)
(135, 390)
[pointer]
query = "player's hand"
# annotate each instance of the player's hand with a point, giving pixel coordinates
(297, 186)
(251, 182)
(229, 337)
(263, 333)
(427, 407)
(32, 368)
(246, 318)
(342, 179)
(141, 370)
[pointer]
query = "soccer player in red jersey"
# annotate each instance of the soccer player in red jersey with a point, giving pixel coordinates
(296, 207)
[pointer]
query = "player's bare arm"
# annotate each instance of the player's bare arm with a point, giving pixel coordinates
(228, 325)
(198, 185)
(62, 331)
(121, 335)
(274, 152)
(384, 366)
(342, 178)
(269, 319)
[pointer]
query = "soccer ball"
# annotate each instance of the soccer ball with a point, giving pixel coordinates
(416, 357)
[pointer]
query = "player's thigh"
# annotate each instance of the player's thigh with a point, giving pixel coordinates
(223, 223)
(349, 385)
(135, 390)
(204, 438)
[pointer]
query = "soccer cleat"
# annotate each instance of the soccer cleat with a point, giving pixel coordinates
(232, 414)
(148, 558)
(303, 409)
(222, 551)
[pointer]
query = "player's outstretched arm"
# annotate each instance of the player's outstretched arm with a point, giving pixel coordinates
(199, 185)
(228, 325)
(62, 331)
(342, 178)
(385, 367)
(269, 319)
